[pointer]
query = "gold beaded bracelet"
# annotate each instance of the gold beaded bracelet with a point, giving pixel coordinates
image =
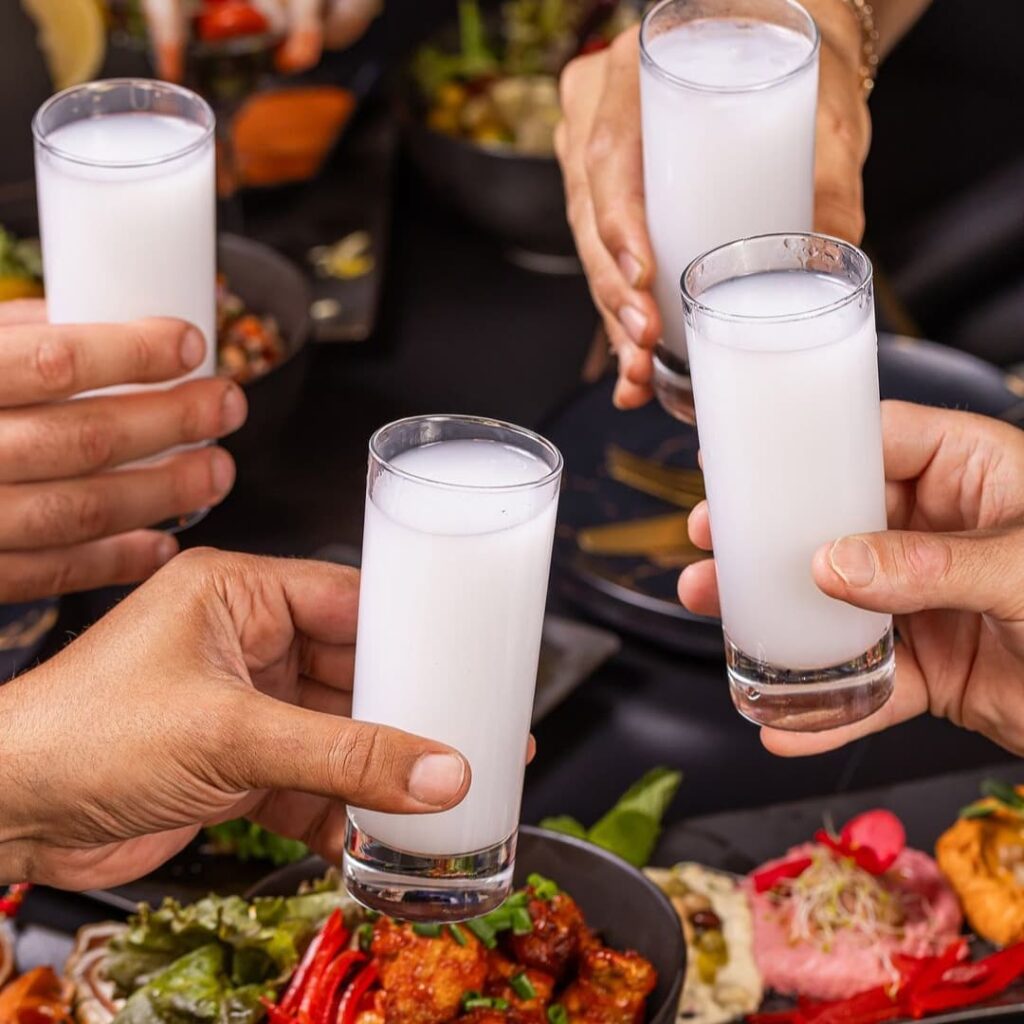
(868, 68)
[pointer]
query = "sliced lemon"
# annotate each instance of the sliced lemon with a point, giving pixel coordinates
(72, 37)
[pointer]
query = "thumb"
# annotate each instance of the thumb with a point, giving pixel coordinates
(901, 571)
(282, 747)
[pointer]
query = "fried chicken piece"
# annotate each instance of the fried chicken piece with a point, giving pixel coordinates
(501, 971)
(509, 1016)
(558, 932)
(483, 1016)
(611, 988)
(424, 978)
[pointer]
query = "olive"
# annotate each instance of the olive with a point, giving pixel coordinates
(706, 919)
(712, 943)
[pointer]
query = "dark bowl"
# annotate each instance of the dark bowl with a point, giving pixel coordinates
(517, 198)
(618, 901)
(268, 284)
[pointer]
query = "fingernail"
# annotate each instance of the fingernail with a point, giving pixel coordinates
(233, 409)
(222, 472)
(853, 561)
(617, 394)
(632, 269)
(193, 348)
(436, 778)
(634, 323)
(166, 549)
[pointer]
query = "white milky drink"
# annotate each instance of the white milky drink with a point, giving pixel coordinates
(127, 208)
(728, 111)
(790, 433)
(451, 607)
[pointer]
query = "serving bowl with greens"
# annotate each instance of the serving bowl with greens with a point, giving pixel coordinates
(481, 105)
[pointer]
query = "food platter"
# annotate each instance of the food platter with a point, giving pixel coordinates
(297, 947)
(617, 901)
(637, 593)
(738, 841)
(727, 863)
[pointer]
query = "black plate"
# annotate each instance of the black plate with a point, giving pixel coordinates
(738, 841)
(268, 284)
(617, 900)
(634, 595)
(517, 198)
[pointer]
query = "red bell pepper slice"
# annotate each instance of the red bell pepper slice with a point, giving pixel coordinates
(335, 938)
(779, 1017)
(950, 990)
(869, 1007)
(767, 878)
(323, 999)
(290, 999)
(930, 970)
(332, 937)
(274, 1012)
(349, 1005)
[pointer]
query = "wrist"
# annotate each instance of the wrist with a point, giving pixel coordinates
(842, 35)
(16, 774)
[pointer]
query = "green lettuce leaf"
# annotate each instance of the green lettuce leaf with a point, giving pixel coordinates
(566, 824)
(196, 988)
(248, 841)
(260, 941)
(631, 828)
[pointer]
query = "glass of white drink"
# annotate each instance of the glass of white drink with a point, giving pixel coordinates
(784, 362)
(728, 97)
(125, 182)
(460, 519)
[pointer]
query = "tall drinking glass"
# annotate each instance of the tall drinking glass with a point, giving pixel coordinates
(784, 360)
(728, 94)
(460, 519)
(125, 182)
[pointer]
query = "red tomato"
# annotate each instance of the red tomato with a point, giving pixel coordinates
(225, 19)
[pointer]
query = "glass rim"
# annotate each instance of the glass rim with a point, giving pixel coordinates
(688, 83)
(693, 304)
(556, 464)
(42, 137)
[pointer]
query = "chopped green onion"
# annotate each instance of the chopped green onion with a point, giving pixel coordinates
(427, 929)
(543, 888)
(517, 899)
(457, 934)
(483, 931)
(364, 936)
(522, 923)
(522, 986)
(372, 915)
(474, 1001)
(557, 1014)
(501, 919)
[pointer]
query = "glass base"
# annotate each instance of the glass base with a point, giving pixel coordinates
(423, 887)
(816, 699)
(183, 522)
(672, 386)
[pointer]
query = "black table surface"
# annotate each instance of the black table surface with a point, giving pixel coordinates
(461, 329)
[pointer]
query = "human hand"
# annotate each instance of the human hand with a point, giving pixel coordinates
(73, 515)
(307, 26)
(599, 147)
(218, 689)
(950, 568)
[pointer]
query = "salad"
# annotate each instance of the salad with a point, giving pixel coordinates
(499, 87)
